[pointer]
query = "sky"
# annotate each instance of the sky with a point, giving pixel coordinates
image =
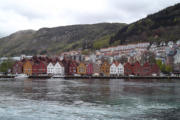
(18, 15)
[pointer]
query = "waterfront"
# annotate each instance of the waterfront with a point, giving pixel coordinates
(88, 99)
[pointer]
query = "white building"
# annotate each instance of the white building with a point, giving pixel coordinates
(57, 69)
(50, 68)
(116, 69)
(177, 57)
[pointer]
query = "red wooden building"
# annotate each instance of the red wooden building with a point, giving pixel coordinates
(39, 68)
(128, 69)
(146, 70)
(89, 69)
(17, 68)
(72, 67)
(155, 69)
(137, 69)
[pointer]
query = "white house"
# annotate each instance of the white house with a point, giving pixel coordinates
(57, 69)
(50, 68)
(116, 69)
(177, 57)
(113, 69)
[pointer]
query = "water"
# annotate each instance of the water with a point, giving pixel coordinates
(87, 99)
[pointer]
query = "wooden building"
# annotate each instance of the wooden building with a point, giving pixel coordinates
(27, 67)
(81, 69)
(17, 68)
(89, 69)
(72, 67)
(128, 69)
(104, 69)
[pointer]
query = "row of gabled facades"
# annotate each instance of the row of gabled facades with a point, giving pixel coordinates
(39, 66)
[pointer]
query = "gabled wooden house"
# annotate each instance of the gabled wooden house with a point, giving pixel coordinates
(39, 68)
(96, 69)
(17, 68)
(137, 69)
(104, 69)
(81, 69)
(27, 67)
(146, 69)
(72, 67)
(89, 69)
(128, 69)
(155, 69)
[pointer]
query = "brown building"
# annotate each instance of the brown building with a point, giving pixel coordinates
(27, 67)
(81, 68)
(104, 69)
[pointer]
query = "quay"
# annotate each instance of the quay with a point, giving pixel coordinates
(123, 77)
(7, 76)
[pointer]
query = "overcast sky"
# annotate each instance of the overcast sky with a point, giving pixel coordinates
(18, 15)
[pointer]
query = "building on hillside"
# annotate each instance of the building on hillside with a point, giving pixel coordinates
(17, 68)
(27, 67)
(104, 69)
(81, 69)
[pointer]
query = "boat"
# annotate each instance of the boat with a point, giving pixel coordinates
(58, 76)
(21, 76)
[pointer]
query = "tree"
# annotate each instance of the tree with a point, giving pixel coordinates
(6, 65)
(168, 68)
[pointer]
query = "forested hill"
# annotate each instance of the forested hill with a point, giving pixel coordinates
(161, 26)
(52, 41)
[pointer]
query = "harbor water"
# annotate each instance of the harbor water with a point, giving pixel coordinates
(89, 99)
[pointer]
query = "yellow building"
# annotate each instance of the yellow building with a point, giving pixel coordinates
(27, 67)
(81, 69)
(104, 69)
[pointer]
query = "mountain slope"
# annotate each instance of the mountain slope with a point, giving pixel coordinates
(55, 40)
(161, 26)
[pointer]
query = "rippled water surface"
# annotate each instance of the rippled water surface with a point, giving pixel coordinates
(88, 99)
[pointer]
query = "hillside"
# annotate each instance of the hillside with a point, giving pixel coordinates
(55, 40)
(161, 26)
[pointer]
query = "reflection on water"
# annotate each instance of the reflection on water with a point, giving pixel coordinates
(88, 99)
